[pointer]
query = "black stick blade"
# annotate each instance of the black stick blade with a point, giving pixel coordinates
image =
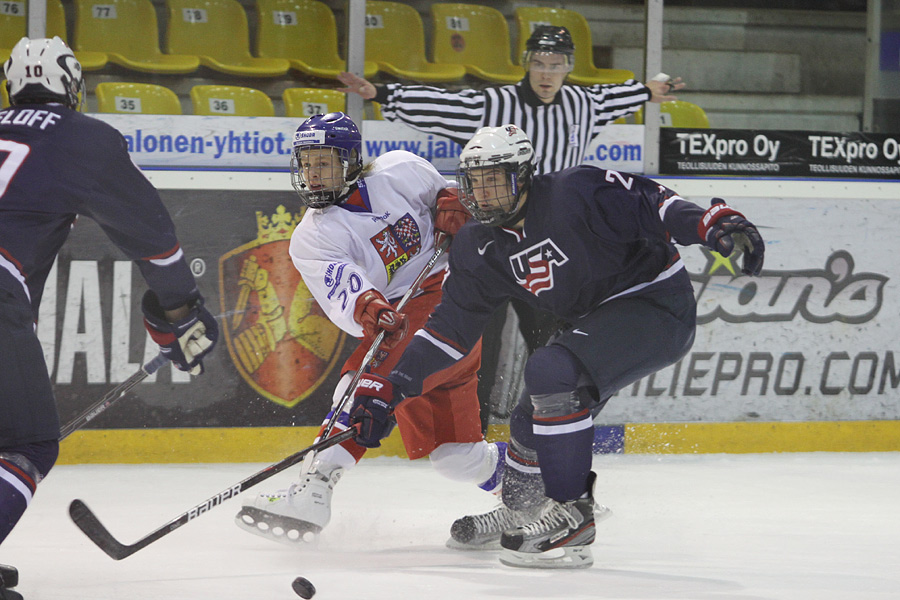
(88, 523)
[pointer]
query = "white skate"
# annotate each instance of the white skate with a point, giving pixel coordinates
(297, 514)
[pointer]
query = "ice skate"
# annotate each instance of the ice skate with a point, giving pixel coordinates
(9, 578)
(559, 539)
(297, 514)
(482, 532)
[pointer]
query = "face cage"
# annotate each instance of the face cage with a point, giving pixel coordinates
(324, 197)
(504, 210)
(80, 92)
(73, 98)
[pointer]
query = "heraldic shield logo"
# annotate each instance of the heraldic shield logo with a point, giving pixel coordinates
(279, 339)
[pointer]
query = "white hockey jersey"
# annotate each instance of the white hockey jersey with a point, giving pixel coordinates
(379, 238)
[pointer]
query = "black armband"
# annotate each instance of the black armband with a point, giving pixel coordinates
(381, 93)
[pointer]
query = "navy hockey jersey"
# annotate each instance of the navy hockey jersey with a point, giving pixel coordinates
(56, 164)
(589, 236)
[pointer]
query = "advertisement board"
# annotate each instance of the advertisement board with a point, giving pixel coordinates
(813, 338)
(278, 357)
(747, 152)
(264, 143)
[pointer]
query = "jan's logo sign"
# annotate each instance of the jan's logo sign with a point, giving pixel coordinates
(533, 267)
(279, 339)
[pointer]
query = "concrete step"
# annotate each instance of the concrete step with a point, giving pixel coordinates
(724, 70)
(830, 44)
(779, 111)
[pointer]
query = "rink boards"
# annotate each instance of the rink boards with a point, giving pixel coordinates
(271, 444)
(803, 358)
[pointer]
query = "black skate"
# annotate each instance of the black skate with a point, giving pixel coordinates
(9, 578)
(482, 532)
(559, 539)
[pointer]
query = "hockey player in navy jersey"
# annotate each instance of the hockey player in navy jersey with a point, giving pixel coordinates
(57, 164)
(596, 248)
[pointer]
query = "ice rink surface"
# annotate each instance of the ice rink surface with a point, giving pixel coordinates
(788, 526)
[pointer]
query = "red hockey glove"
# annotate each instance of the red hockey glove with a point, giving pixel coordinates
(375, 314)
(451, 214)
(721, 228)
(373, 405)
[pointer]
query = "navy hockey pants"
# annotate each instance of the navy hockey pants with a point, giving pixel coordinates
(569, 381)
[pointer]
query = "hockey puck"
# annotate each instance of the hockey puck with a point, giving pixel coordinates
(304, 588)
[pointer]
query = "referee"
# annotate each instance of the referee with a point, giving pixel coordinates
(561, 120)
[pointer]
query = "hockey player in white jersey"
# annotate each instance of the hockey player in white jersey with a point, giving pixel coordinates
(366, 235)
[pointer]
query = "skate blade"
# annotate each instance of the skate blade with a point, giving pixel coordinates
(485, 547)
(284, 530)
(569, 557)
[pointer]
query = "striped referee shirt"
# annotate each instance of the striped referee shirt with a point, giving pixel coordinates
(560, 131)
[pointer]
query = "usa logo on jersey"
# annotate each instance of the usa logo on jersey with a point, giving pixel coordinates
(533, 267)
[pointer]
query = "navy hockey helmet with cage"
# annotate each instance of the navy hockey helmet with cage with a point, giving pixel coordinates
(335, 131)
(550, 39)
(508, 149)
(44, 70)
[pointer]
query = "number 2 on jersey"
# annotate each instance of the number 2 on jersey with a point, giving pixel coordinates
(613, 176)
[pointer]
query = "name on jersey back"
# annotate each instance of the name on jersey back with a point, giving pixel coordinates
(29, 117)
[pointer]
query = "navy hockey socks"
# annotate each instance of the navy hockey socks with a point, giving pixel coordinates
(563, 444)
(562, 425)
(21, 469)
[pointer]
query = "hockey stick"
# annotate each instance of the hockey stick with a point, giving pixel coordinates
(413, 289)
(91, 526)
(112, 396)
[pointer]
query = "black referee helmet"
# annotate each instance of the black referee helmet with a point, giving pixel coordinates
(550, 38)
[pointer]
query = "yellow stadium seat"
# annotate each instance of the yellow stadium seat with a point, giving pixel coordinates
(678, 113)
(136, 98)
(306, 102)
(305, 33)
(14, 26)
(585, 73)
(216, 31)
(229, 100)
(56, 25)
(127, 31)
(395, 39)
(476, 37)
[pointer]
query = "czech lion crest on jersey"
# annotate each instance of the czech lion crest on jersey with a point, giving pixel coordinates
(279, 339)
(398, 243)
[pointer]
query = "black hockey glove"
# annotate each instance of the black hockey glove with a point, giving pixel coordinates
(722, 228)
(186, 341)
(373, 408)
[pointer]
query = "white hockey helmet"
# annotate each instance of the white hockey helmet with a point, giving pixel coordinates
(43, 70)
(508, 148)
